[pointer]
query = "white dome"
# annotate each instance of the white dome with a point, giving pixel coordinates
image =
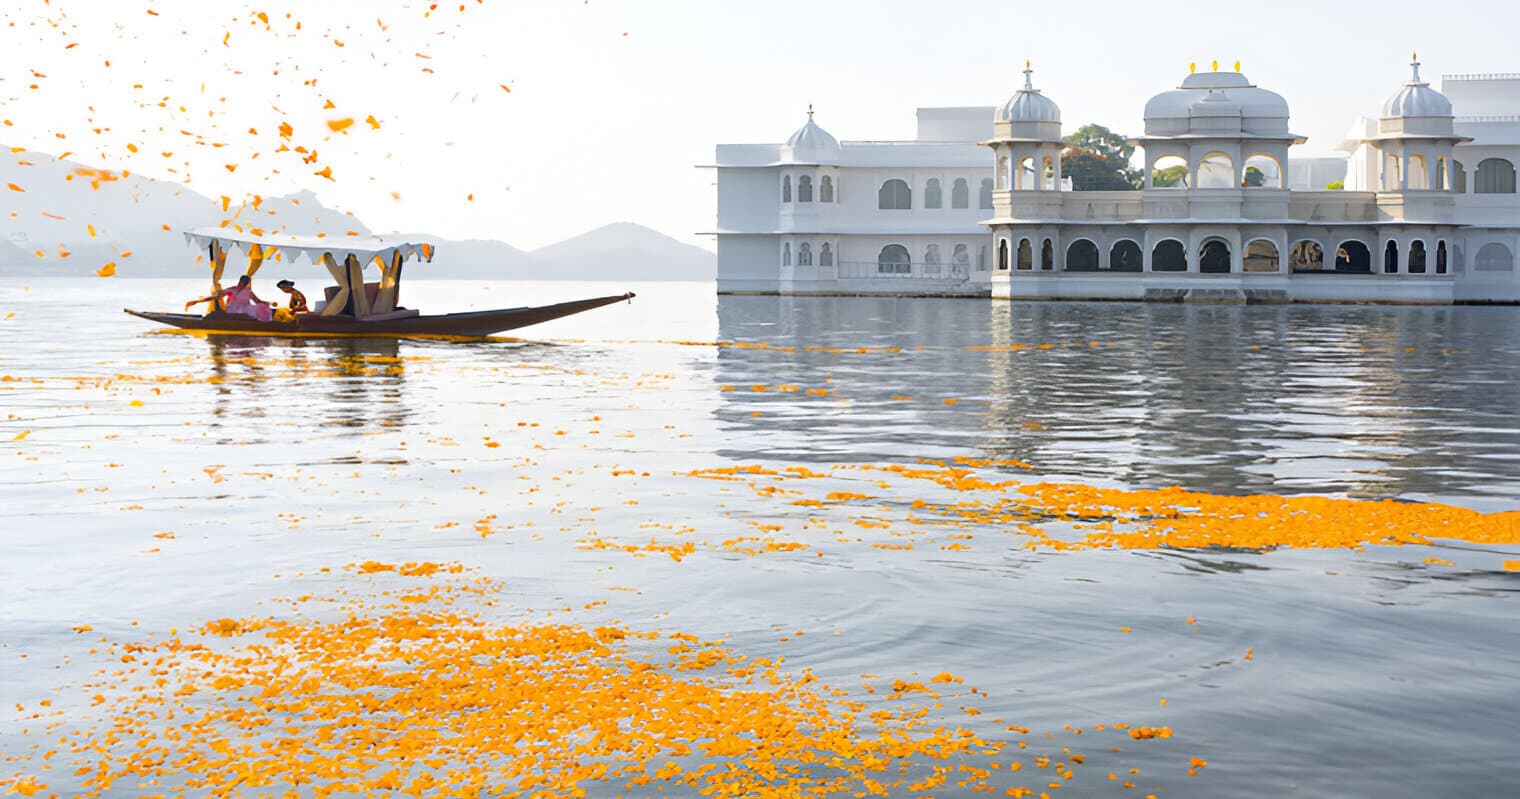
(812, 140)
(1417, 99)
(1253, 101)
(1028, 105)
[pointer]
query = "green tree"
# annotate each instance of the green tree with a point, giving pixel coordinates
(1097, 159)
(1170, 176)
(1254, 177)
(1336, 185)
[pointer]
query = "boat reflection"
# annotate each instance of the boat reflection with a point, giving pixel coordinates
(363, 380)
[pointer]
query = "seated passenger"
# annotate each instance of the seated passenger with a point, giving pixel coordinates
(297, 304)
(242, 300)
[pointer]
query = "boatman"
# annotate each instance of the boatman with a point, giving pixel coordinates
(297, 303)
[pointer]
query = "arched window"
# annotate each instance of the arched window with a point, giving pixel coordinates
(1002, 171)
(931, 259)
(805, 189)
(984, 199)
(1216, 171)
(894, 196)
(1391, 172)
(1048, 174)
(1458, 177)
(1306, 255)
(1494, 176)
(1002, 254)
(1082, 256)
(1391, 257)
(1261, 172)
(1419, 174)
(826, 253)
(1169, 172)
(1417, 258)
(894, 260)
(1353, 256)
(1125, 257)
(933, 197)
(1026, 254)
(960, 195)
(804, 250)
(1261, 256)
(1493, 257)
(786, 254)
(1441, 257)
(1214, 257)
(960, 258)
(1025, 178)
(1047, 255)
(1169, 256)
(826, 189)
(786, 188)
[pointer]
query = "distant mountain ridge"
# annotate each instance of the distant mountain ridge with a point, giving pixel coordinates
(65, 220)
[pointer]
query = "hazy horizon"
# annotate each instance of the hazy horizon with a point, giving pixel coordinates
(534, 122)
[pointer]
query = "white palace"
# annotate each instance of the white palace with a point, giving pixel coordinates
(1426, 210)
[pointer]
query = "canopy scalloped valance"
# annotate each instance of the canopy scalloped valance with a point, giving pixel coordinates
(311, 248)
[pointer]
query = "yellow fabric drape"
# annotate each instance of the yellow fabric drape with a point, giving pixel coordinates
(339, 276)
(390, 275)
(255, 258)
(356, 284)
(218, 263)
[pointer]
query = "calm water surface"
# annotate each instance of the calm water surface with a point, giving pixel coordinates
(1375, 673)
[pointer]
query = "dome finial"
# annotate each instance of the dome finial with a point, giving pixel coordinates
(1414, 66)
(1028, 77)
(1192, 67)
(1237, 65)
(810, 110)
(1215, 66)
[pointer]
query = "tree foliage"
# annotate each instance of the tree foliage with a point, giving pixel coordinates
(1170, 176)
(1097, 159)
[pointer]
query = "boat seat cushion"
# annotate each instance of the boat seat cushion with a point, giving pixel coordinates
(371, 290)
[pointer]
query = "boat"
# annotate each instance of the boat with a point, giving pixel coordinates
(352, 307)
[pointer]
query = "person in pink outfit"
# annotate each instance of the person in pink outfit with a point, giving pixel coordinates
(240, 299)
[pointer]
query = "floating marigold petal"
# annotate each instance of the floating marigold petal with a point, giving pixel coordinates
(339, 125)
(109, 270)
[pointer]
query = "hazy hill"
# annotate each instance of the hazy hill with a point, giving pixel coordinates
(69, 221)
(622, 251)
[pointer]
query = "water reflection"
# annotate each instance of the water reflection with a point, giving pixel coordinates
(1363, 401)
(362, 380)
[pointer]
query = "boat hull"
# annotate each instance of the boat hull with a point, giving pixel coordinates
(470, 324)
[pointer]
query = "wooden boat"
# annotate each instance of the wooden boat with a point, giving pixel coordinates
(352, 307)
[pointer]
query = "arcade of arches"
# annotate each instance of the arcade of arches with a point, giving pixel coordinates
(1425, 254)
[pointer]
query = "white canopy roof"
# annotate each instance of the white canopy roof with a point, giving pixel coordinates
(365, 248)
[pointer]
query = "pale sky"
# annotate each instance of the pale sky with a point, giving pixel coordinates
(613, 102)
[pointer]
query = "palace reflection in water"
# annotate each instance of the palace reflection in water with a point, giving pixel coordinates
(1366, 401)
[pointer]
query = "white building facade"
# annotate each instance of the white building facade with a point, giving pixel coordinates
(1428, 212)
(818, 216)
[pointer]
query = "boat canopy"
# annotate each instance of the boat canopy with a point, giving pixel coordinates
(344, 257)
(311, 248)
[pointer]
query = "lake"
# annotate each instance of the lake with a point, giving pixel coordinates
(762, 545)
